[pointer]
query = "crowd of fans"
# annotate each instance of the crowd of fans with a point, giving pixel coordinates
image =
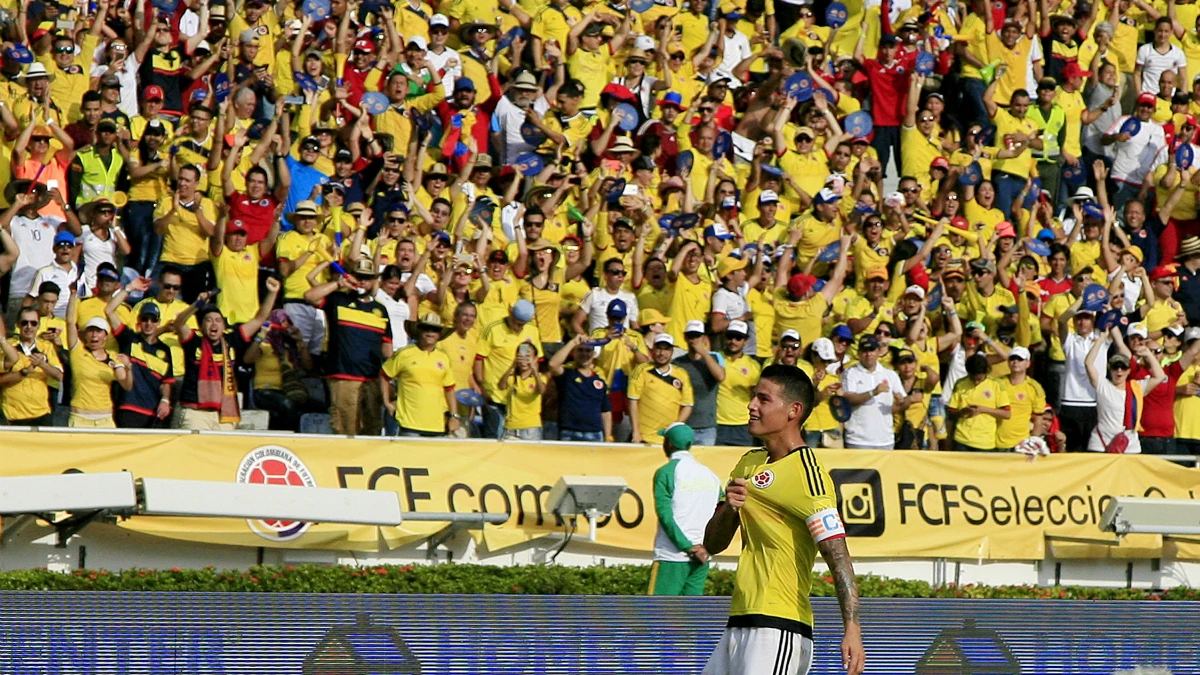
(973, 224)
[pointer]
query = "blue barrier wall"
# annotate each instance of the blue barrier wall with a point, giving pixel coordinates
(63, 633)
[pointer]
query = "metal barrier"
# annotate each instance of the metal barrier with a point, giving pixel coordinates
(45, 633)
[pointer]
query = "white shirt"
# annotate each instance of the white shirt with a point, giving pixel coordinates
(1110, 417)
(693, 500)
(96, 251)
(189, 23)
(870, 424)
(734, 306)
(1154, 64)
(439, 61)
(644, 91)
(1133, 289)
(1077, 387)
(595, 303)
(425, 285)
(511, 117)
(129, 84)
(736, 49)
(1035, 56)
(398, 313)
(35, 240)
(1138, 156)
(64, 278)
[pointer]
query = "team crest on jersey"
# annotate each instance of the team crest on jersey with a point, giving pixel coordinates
(763, 479)
(987, 394)
(745, 371)
(598, 384)
(377, 312)
(1021, 396)
(677, 384)
(441, 366)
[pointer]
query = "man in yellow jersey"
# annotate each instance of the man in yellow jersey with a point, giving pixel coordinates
(784, 500)
(660, 393)
(588, 57)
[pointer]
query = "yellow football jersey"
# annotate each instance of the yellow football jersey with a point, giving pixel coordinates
(790, 506)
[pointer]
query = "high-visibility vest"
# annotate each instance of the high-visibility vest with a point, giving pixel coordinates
(1049, 129)
(97, 180)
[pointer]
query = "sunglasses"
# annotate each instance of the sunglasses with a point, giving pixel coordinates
(679, 57)
(804, 139)
(29, 323)
(1118, 366)
(883, 333)
(635, 62)
(171, 287)
(359, 52)
(108, 212)
(148, 319)
(397, 220)
(790, 347)
(910, 189)
(64, 50)
(927, 119)
(979, 273)
(707, 110)
(735, 336)
(617, 273)
(1156, 351)
(952, 197)
(64, 244)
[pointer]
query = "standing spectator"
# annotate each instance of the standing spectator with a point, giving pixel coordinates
(1017, 132)
(584, 408)
(94, 369)
(736, 388)
(1135, 156)
(32, 241)
(147, 404)
(279, 358)
(30, 364)
(594, 308)
(459, 345)
(494, 354)
(1026, 398)
(887, 77)
(423, 375)
(872, 391)
(359, 340)
(185, 222)
(1120, 401)
(706, 371)
(659, 394)
(235, 266)
(1077, 414)
(1157, 57)
(523, 388)
(976, 404)
(300, 252)
(208, 395)
(61, 271)
(685, 495)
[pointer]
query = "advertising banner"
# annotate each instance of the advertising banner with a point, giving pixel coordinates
(895, 504)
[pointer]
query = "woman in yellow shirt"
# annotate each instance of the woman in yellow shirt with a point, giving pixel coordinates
(524, 389)
(93, 370)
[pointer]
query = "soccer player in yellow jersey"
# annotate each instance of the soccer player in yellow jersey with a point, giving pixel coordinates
(782, 498)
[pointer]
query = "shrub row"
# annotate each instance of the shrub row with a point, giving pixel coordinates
(483, 579)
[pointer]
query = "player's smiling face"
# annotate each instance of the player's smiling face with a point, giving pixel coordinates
(770, 411)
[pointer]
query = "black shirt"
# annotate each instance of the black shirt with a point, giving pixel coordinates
(581, 400)
(358, 328)
(151, 368)
(1188, 294)
(193, 352)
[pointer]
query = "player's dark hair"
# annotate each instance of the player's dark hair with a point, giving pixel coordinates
(795, 384)
(49, 287)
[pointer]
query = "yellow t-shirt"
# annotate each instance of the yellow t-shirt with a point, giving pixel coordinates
(497, 347)
(291, 246)
(660, 396)
(91, 381)
(735, 391)
(524, 403)
(1073, 106)
(803, 316)
(1007, 124)
(1187, 408)
(919, 153)
(237, 277)
(498, 302)
(184, 243)
(790, 500)
(1024, 399)
(691, 301)
(591, 69)
(978, 431)
(93, 307)
(30, 397)
(1017, 61)
(421, 381)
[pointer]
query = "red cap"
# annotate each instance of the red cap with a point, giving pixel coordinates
(939, 163)
(236, 226)
(800, 284)
(364, 45)
(1072, 69)
(1005, 229)
(960, 223)
(152, 93)
(39, 33)
(1163, 272)
(1147, 99)
(618, 91)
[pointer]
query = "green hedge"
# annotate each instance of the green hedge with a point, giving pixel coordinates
(529, 579)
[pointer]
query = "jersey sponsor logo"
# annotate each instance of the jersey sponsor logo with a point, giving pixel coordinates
(825, 524)
(763, 479)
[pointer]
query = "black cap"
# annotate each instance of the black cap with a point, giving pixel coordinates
(107, 270)
(343, 155)
(106, 124)
(644, 163)
(150, 310)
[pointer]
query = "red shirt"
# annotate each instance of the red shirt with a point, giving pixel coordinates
(889, 89)
(1051, 288)
(1158, 407)
(256, 215)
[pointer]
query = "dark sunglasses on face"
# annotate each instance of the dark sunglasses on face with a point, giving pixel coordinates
(64, 50)
(27, 322)
(171, 287)
(617, 273)
(910, 189)
(397, 220)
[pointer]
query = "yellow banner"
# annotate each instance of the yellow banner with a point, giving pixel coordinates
(895, 504)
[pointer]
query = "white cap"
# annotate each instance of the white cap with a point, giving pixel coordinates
(790, 333)
(664, 338)
(1084, 193)
(644, 43)
(1019, 352)
(439, 20)
(205, 46)
(737, 327)
(97, 322)
(694, 326)
(1138, 329)
(824, 349)
(915, 290)
(768, 196)
(293, 24)
(1191, 333)
(418, 41)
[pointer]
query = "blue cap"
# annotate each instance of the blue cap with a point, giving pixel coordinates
(1047, 234)
(842, 331)
(441, 235)
(463, 83)
(64, 236)
(868, 343)
(723, 234)
(672, 97)
(523, 310)
(618, 309)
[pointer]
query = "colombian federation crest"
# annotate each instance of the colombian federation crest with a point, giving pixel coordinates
(275, 465)
(763, 479)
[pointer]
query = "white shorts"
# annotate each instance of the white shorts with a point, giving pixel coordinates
(760, 651)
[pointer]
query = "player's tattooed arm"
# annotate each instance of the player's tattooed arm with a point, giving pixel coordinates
(837, 556)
